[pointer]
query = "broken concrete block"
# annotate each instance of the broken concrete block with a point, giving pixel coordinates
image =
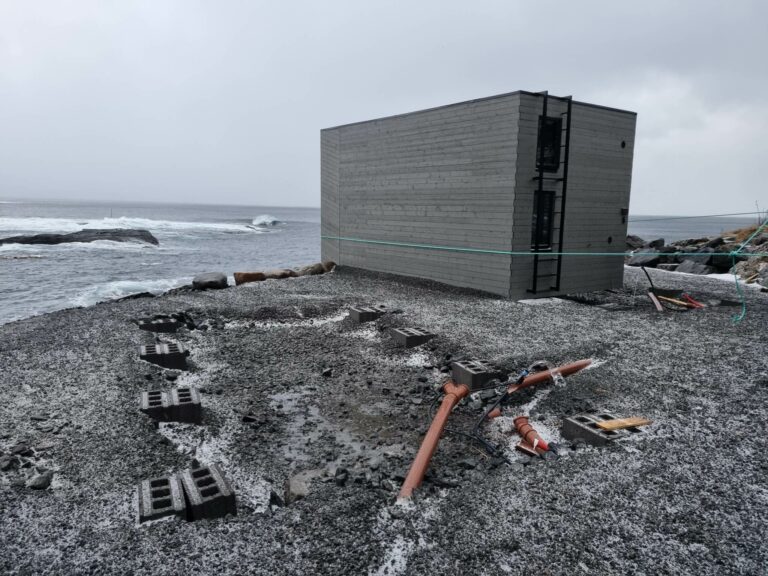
(365, 313)
(209, 493)
(410, 337)
(166, 355)
(160, 497)
(296, 488)
(164, 325)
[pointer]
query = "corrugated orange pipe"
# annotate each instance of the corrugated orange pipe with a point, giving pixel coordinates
(453, 394)
(529, 434)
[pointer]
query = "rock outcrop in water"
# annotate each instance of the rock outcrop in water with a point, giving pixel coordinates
(86, 235)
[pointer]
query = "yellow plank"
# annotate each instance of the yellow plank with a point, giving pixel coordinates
(621, 423)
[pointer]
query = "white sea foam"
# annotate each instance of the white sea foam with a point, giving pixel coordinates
(120, 288)
(265, 220)
(80, 246)
(41, 225)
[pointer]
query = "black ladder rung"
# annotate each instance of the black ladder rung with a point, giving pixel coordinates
(555, 178)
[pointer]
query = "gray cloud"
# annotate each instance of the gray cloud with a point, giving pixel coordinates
(223, 101)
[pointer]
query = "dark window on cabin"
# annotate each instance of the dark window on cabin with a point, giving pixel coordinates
(548, 147)
(543, 220)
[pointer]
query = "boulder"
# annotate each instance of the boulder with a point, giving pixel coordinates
(40, 481)
(692, 267)
(649, 257)
(702, 256)
(634, 242)
(311, 270)
(210, 280)
(715, 242)
(669, 267)
(245, 277)
(279, 274)
(658, 243)
(296, 488)
(86, 235)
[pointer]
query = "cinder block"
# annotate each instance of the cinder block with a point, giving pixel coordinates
(160, 497)
(166, 355)
(410, 337)
(365, 313)
(209, 494)
(155, 403)
(184, 405)
(165, 325)
(473, 373)
(584, 427)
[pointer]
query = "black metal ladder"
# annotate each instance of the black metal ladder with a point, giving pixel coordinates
(555, 180)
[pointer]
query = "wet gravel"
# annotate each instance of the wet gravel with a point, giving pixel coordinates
(296, 393)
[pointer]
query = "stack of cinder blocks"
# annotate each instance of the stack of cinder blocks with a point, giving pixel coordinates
(164, 325)
(192, 495)
(181, 404)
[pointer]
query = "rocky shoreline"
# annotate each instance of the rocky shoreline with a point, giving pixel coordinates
(709, 255)
(300, 401)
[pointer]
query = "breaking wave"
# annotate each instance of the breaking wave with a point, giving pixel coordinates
(41, 225)
(265, 220)
(121, 288)
(80, 246)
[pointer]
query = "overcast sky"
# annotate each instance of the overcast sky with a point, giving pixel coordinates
(222, 101)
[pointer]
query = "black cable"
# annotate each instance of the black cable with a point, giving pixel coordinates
(662, 302)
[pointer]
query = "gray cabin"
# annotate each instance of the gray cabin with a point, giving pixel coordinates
(484, 194)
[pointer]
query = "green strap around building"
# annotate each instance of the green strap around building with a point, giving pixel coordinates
(733, 254)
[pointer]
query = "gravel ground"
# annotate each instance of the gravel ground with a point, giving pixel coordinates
(687, 496)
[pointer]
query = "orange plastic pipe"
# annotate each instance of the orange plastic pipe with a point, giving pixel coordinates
(539, 377)
(453, 394)
(529, 434)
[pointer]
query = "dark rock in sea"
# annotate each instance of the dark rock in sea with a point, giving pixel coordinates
(86, 235)
(210, 280)
(648, 257)
(691, 267)
(658, 243)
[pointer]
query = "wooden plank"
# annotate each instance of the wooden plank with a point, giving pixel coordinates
(621, 423)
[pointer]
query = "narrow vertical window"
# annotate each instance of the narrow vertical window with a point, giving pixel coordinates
(543, 220)
(548, 146)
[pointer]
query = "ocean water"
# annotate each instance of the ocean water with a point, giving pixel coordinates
(673, 228)
(193, 239)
